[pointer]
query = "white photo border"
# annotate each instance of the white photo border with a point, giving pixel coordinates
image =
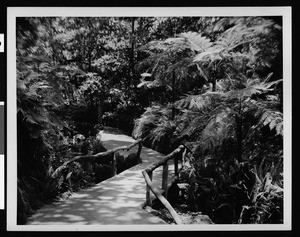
(13, 12)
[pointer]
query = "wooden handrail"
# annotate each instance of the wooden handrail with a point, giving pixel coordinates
(183, 157)
(165, 159)
(90, 156)
(148, 173)
(163, 200)
(164, 183)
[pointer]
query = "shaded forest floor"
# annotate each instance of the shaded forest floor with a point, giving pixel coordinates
(187, 217)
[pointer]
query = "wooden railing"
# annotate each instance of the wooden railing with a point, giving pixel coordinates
(148, 174)
(90, 157)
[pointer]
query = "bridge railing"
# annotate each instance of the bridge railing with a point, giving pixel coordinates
(90, 157)
(148, 175)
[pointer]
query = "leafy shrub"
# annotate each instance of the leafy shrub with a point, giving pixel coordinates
(231, 134)
(267, 203)
(211, 189)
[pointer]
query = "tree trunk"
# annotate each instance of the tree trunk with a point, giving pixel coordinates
(173, 95)
(132, 58)
(99, 114)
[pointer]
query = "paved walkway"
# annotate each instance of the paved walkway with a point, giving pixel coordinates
(115, 201)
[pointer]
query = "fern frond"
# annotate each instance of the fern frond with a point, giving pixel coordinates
(197, 42)
(255, 88)
(220, 127)
(35, 59)
(148, 84)
(190, 125)
(154, 46)
(199, 102)
(208, 56)
(148, 121)
(273, 119)
(161, 137)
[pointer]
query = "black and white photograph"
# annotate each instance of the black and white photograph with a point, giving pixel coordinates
(149, 119)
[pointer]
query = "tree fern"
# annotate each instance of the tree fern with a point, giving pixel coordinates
(220, 127)
(240, 48)
(172, 58)
(196, 41)
(203, 101)
(234, 123)
(234, 115)
(149, 120)
(189, 125)
(162, 136)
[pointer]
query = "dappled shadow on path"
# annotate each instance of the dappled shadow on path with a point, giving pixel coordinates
(111, 141)
(115, 201)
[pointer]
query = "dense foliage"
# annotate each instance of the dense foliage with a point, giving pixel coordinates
(231, 120)
(211, 83)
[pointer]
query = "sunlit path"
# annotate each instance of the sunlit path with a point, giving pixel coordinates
(117, 200)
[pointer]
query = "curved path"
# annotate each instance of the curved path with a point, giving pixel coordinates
(115, 201)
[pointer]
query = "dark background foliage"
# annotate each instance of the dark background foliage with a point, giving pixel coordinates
(211, 83)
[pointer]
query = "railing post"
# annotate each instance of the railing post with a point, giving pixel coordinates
(139, 152)
(69, 179)
(114, 165)
(148, 191)
(165, 179)
(183, 158)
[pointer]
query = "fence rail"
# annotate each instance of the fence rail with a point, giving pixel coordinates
(101, 154)
(148, 174)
